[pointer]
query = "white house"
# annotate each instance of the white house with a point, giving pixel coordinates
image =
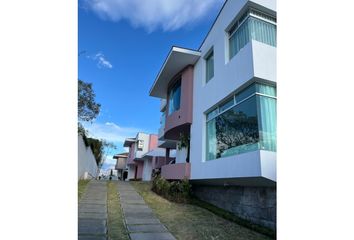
(222, 97)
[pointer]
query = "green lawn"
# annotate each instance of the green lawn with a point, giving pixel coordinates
(187, 222)
(81, 187)
(116, 228)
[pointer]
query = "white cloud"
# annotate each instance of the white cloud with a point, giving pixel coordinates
(102, 62)
(109, 163)
(169, 15)
(109, 160)
(110, 131)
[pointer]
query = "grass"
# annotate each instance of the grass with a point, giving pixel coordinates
(188, 221)
(82, 187)
(116, 227)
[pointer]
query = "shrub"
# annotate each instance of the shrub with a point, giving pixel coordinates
(176, 191)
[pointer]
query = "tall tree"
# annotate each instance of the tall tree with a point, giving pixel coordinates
(88, 109)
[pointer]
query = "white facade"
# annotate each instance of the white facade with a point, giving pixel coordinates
(131, 171)
(255, 61)
(138, 166)
(181, 155)
(87, 166)
(145, 144)
(147, 170)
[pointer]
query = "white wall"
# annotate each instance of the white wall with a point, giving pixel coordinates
(121, 163)
(250, 164)
(131, 171)
(147, 170)
(86, 161)
(254, 60)
(145, 137)
(181, 155)
(264, 61)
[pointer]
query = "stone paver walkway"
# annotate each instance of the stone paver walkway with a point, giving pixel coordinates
(141, 222)
(93, 212)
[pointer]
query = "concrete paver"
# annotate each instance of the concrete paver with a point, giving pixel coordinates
(92, 211)
(126, 201)
(152, 236)
(147, 228)
(141, 222)
(88, 237)
(137, 210)
(92, 215)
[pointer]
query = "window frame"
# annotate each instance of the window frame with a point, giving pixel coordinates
(176, 82)
(207, 56)
(251, 12)
(140, 145)
(237, 23)
(216, 108)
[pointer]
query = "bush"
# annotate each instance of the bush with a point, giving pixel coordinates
(176, 191)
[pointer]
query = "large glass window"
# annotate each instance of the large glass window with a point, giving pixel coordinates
(163, 119)
(267, 121)
(249, 125)
(253, 25)
(174, 97)
(209, 66)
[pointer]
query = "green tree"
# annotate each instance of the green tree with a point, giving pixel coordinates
(88, 109)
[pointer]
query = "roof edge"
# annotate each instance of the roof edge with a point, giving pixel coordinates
(174, 48)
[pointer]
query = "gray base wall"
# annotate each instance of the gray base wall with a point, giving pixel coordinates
(256, 204)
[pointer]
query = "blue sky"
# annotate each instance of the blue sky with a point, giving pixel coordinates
(122, 46)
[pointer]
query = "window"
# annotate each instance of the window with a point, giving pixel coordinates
(212, 113)
(228, 103)
(140, 145)
(163, 119)
(244, 126)
(174, 97)
(253, 25)
(245, 93)
(209, 65)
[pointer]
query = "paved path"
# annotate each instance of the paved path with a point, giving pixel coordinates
(141, 222)
(93, 212)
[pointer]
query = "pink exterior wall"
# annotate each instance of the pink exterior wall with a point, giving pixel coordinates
(140, 169)
(153, 141)
(131, 154)
(157, 162)
(184, 115)
(176, 171)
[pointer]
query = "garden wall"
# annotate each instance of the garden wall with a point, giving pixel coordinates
(256, 204)
(87, 166)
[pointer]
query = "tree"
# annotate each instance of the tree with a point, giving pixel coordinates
(88, 109)
(98, 147)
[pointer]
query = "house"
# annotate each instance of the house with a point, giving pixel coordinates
(157, 158)
(144, 156)
(218, 107)
(121, 165)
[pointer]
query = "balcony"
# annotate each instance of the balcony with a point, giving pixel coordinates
(167, 144)
(179, 120)
(161, 132)
(176, 171)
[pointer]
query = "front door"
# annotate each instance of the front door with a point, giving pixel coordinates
(136, 171)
